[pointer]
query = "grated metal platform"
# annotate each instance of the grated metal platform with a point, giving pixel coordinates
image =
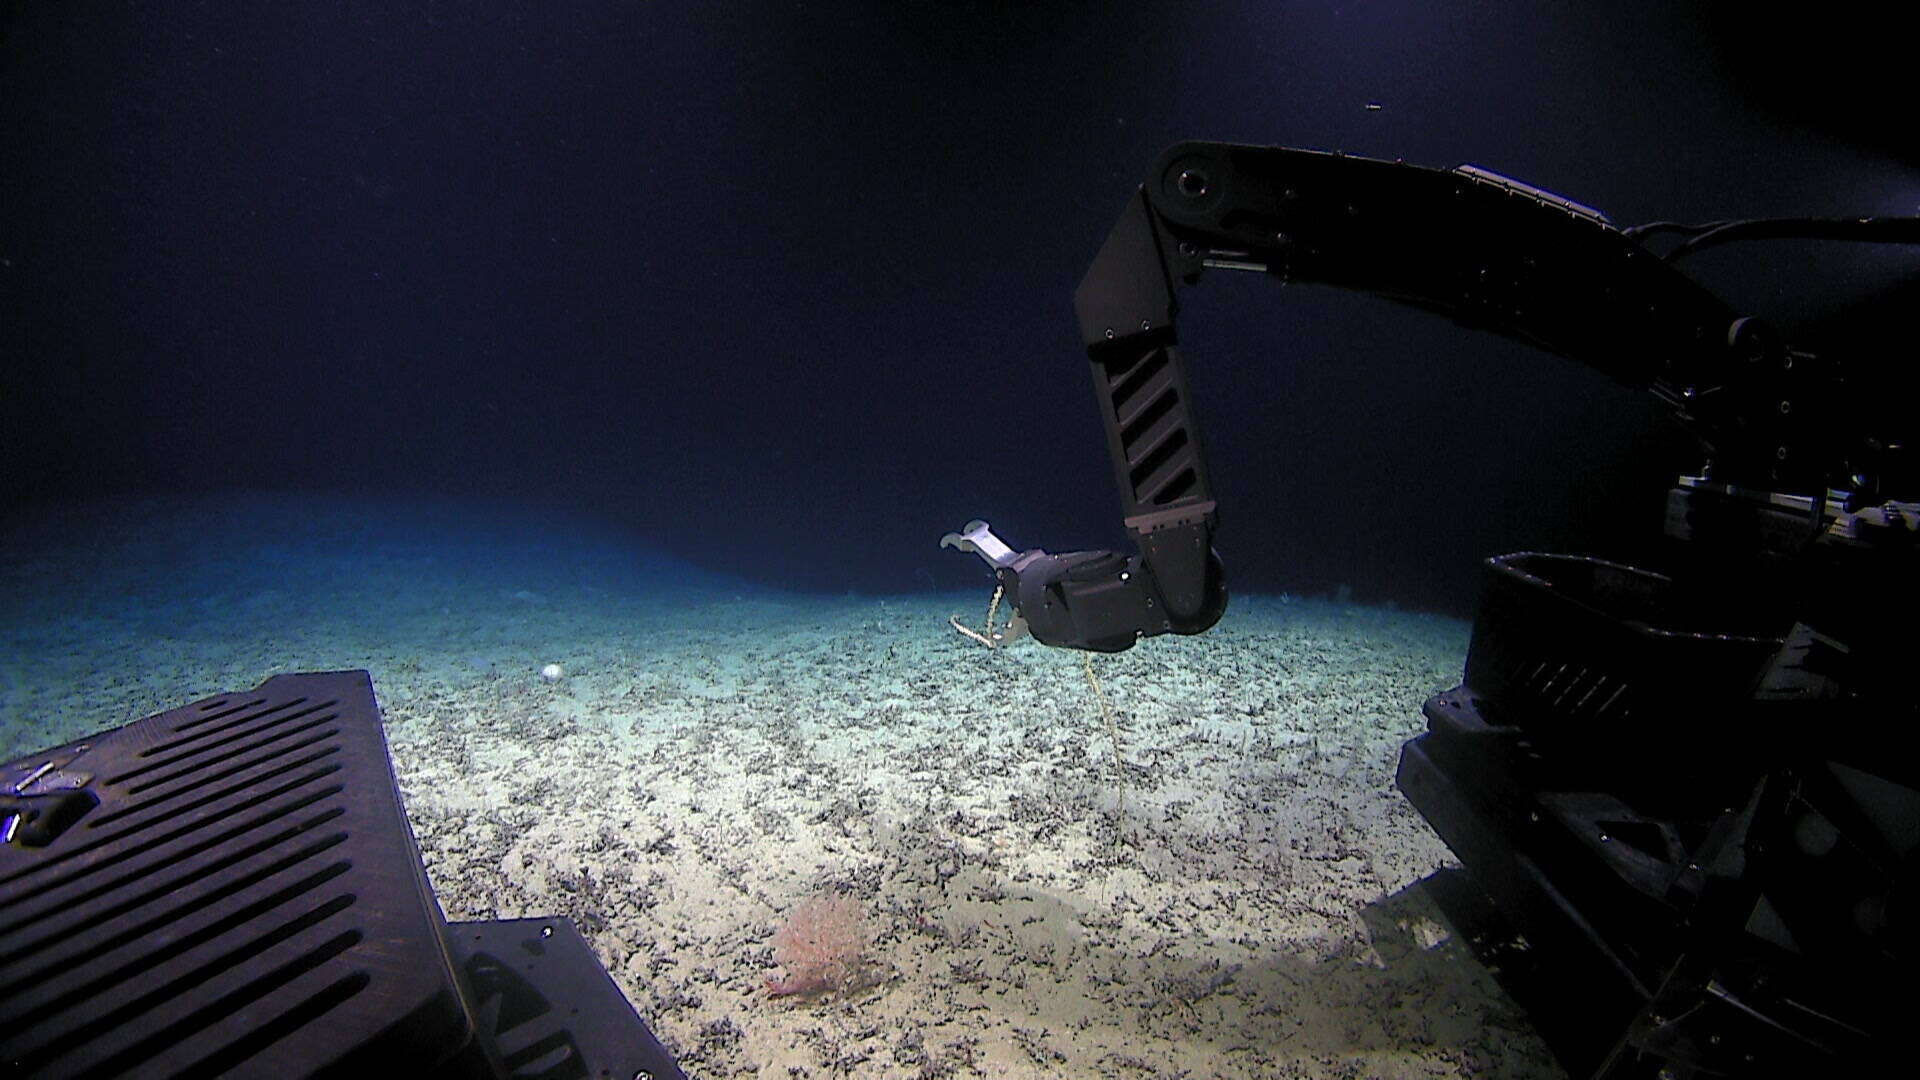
(231, 889)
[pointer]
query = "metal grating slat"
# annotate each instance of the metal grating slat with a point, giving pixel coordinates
(245, 894)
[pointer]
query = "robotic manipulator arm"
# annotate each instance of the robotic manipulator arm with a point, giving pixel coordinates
(1489, 252)
(1104, 601)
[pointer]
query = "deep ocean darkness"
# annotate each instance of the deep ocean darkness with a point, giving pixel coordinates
(785, 288)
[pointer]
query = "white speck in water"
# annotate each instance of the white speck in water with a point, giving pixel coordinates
(551, 672)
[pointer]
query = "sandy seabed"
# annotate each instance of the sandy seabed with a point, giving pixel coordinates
(1245, 903)
(1236, 893)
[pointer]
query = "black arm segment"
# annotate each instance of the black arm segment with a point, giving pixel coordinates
(1493, 254)
(1104, 601)
(1487, 251)
(1126, 309)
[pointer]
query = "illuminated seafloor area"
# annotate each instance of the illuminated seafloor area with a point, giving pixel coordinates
(1232, 891)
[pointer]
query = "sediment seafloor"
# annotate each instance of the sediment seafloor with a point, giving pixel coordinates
(1235, 890)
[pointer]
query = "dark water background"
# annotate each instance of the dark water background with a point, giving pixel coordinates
(785, 289)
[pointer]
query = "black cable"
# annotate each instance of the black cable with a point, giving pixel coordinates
(1884, 230)
(1637, 231)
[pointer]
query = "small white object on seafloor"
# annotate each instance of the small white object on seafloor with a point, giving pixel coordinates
(551, 673)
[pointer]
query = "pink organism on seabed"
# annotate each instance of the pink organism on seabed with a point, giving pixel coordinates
(822, 947)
